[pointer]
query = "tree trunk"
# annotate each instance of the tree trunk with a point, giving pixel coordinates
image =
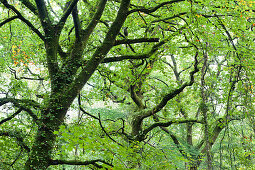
(44, 142)
(40, 155)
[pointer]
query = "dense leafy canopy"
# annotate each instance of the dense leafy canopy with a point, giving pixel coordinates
(120, 84)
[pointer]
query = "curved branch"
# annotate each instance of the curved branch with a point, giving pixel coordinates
(172, 94)
(75, 162)
(20, 102)
(166, 124)
(153, 9)
(8, 20)
(99, 119)
(133, 41)
(30, 6)
(10, 117)
(79, 103)
(23, 105)
(27, 78)
(29, 24)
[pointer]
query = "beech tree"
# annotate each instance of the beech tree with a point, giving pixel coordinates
(175, 67)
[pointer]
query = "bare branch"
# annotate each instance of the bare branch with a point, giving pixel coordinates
(79, 103)
(10, 117)
(75, 162)
(153, 9)
(27, 78)
(166, 124)
(133, 41)
(106, 132)
(125, 57)
(8, 20)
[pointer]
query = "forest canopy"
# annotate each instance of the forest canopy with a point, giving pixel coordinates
(127, 84)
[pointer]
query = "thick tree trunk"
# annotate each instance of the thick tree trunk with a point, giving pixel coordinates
(44, 142)
(41, 151)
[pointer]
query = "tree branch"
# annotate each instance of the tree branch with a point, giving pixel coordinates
(168, 18)
(23, 105)
(64, 17)
(10, 117)
(77, 24)
(43, 14)
(8, 20)
(172, 94)
(75, 162)
(79, 103)
(166, 124)
(20, 102)
(140, 56)
(174, 138)
(30, 6)
(133, 41)
(101, 51)
(100, 123)
(27, 78)
(5, 3)
(78, 48)
(153, 9)
(135, 98)
(125, 57)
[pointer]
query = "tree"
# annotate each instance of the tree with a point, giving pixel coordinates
(207, 46)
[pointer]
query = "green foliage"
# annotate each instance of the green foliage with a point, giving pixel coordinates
(141, 88)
